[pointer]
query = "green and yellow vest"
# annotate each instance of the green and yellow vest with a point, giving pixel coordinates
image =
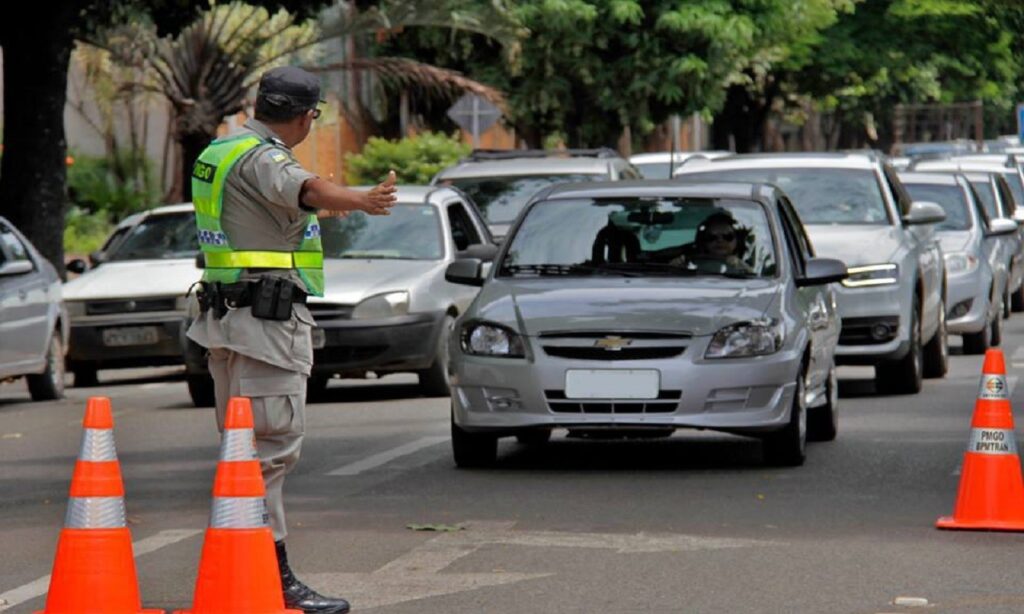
(224, 263)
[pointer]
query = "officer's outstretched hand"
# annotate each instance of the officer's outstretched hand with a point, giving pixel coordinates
(381, 198)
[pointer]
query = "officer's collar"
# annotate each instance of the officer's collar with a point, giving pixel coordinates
(265, 132)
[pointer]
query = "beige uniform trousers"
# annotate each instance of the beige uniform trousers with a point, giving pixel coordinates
(279, 417)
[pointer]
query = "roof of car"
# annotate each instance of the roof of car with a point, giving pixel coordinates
(648, 188)
(956, 165)
(513, 166)
(930, 178)
(664, 156)
(782, 160)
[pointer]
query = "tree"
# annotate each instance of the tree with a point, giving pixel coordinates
(592, 68)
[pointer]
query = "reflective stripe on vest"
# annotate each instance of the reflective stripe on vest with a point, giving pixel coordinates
(224, 263)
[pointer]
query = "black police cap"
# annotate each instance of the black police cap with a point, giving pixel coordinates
(290, 86)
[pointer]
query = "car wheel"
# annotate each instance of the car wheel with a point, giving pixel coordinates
(316, 388)
(85, 376)
(201, 389)
(823, 421)
(788, 447)
(534, 437)
(904, 376)
(1017, 299)
(1007, 304)
(936, 353)
(49, 384)
(472, 450)
(434, 379)
(979, 342)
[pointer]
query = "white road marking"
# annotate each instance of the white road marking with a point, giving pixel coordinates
(38, 588)
(417, 574)
(387, 456)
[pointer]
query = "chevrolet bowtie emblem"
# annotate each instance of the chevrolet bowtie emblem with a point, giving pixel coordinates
(612, 343)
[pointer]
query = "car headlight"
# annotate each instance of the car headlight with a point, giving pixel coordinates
(960, 262)
(743, 339)
(872, 275)
(76, 309)
(483, 339)
(384, 305)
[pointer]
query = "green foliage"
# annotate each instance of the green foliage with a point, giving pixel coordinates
(414, 159)
(116, 186)
(85, 232)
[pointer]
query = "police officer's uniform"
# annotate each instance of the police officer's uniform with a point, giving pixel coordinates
(252, 227)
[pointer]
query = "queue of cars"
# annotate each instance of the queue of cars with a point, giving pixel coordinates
(723, 298)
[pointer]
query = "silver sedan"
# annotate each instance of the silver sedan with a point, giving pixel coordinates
(638, 308)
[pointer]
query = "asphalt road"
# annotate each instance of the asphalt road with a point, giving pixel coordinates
(693, 523)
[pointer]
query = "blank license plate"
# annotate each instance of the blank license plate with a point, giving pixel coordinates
(134, 335)
(319, 338)
(612, 383)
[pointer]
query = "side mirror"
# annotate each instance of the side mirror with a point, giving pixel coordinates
(466, 272)
(480, 251)
(821, 271)
(924, 212)
(16, 267)
(200, 260)
(1000, 226)
(77, 266)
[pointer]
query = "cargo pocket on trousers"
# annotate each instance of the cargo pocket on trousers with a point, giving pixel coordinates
(272, 409)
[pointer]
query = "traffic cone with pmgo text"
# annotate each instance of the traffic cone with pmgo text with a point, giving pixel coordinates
(991, 493)
(238, 570)
(94, 570)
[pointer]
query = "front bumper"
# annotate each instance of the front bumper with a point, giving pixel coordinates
(745, 396)
(973, 287)
(402, 343)
(87, 345)
(861, 309)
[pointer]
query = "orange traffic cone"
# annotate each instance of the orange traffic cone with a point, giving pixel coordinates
(238, 571)
(991, 493)
(94, 570)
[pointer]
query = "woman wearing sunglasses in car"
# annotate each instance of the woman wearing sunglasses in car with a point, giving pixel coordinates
(719, 241)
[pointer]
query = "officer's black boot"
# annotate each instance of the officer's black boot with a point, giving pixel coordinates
(299, 596)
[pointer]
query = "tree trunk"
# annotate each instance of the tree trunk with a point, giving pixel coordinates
(33, 172)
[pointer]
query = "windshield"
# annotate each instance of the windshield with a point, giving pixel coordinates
(656, 170)
(643, 237)
(820, 195)
(950, 197)
(410, 232)
(1016, 186)
(500, 199)
(158, 237)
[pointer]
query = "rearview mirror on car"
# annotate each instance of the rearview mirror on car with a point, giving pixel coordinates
(77, 266)
(467, 272)
(924, 212)
(1000, 226)
(16, 267)
(649, 217)
(821, 271)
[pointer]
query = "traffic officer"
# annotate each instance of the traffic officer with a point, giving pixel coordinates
(256, 212)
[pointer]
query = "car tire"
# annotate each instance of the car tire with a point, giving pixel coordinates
(1007, 308)
(936, 353)
(788, 447)
(86, 376)
(434, 379)
(316, 388)
(534, 437)
(1017, 299)
(979, 342)
(473, 450)
(996, 336)
(823, 421)
(49, 385)
(904, 376)
(201, 389)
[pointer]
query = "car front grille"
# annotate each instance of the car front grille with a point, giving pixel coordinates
(347, 354)
(609, 346)
(100, 308)
(666, 403)
(330, 311)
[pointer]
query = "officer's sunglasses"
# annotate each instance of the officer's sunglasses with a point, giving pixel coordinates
(316, 113)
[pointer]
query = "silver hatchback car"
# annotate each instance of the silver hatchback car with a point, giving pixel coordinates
(641, 307)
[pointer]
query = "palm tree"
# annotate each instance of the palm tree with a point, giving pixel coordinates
(208, 70)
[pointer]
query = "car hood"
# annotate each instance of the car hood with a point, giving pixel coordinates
(954, 241)
(350, 281)
(134, 278)
(855, 244)
(698, 307)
